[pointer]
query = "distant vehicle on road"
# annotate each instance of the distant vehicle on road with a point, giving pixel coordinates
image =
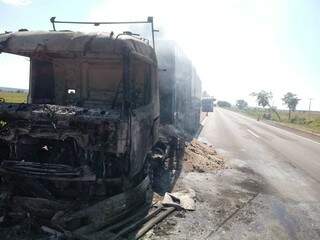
(207, 104)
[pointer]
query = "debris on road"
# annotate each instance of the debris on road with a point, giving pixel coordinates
(184, 200)
(201, 157)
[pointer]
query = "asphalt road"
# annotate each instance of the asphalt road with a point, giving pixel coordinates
(287, 204)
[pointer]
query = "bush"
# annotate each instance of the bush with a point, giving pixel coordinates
(224, 104)
(266, 116)
(298, 120)
(314, 123)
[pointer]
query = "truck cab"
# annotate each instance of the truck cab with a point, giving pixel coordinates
(91, 118)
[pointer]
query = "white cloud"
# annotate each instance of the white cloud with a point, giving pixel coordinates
(17, 3)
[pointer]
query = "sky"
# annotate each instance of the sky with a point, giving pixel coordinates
(237, 46)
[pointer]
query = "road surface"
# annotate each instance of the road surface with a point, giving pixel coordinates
(269, 189)
(287, 204)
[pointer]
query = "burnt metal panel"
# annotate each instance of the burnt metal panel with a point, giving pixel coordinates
(72, 44)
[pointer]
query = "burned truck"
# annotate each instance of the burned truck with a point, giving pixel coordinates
(91, 118)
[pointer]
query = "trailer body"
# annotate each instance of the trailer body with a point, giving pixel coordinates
(180, 88)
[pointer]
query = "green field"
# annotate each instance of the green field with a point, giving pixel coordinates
(302, 120)
(14, 97)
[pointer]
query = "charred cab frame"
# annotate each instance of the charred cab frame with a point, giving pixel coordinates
(92, 115)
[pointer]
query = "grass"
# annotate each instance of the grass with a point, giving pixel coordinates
(302, 120)
(14, 97)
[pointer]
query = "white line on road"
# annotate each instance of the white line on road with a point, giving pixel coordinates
(253, 133)
(294, 134)
(290, 133)
(310, 140)
(277, 128)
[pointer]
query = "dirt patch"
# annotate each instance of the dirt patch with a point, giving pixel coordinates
(201, 157)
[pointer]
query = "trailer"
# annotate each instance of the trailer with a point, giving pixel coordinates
(180, 88)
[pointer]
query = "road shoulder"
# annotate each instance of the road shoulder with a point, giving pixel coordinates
(300, 132)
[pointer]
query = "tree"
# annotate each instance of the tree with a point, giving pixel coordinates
(263, 99)
(241, 104)
(291, 100)
(223, 104)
